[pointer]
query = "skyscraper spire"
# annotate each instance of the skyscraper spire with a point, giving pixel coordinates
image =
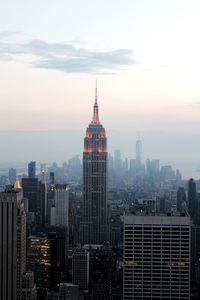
(96, 98)
(17, 185)
(95, 119)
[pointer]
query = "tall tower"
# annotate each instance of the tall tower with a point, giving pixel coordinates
(192, 199)
(12, 242)
(94, 218)
(31, 169)
(139, 151)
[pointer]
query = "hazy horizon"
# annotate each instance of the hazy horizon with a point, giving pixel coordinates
(178, 150)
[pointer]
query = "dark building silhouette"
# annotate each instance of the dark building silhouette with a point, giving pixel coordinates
(32, 169)
(181, 199)
(192, 198)
(43, 204)
(31, 191)
(12, 242)
(102, 273)
(51, 178)
(139, 152)
(94, 208)
(59, 258)
(80, 268)
(39, 260)
(117, 161)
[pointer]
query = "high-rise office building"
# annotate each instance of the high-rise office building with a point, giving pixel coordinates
(32, 169)
(12, 242)
(39, 256)
(30, 186)
(42, 197)
(94, 208)
(31, 192)
(117, 161)
(181, 200)
(59, 210)
(61, 194)
(80, 268)
(12, 175)
(156, 257)
(59, 255)
(192, 198)
(139, 151)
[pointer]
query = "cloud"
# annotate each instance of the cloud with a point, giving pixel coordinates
(66, 57)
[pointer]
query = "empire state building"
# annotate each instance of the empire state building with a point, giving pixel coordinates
(94, 218)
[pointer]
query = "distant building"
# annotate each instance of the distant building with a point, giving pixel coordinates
(167, 173)
(156, 257)
(152, 168)
(32, 169)
(117, 161)
(60, 210)
(133, 165)
(192, 198)
(42, 207)
(31, 192)
(43, 173)
(12, 175)
(30, 187)
(139, 152)
(181, 200)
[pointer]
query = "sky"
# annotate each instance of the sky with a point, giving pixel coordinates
(144, 54)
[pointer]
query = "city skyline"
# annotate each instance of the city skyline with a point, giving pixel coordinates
(99, 204)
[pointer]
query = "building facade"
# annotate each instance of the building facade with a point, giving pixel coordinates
(94, 208)
(80, 268)
(12, 243)
(61, 194)
(156, 257)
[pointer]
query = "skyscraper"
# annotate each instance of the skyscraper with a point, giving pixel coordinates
(31, 169)
(156, 257)
(139, 152)
(61, 204)
(12, 242)
(30, 186)
(94, 218)
(80, 268)
(192, 198)
(181, 200)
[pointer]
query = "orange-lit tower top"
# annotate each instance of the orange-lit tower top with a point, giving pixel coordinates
(95, 139)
